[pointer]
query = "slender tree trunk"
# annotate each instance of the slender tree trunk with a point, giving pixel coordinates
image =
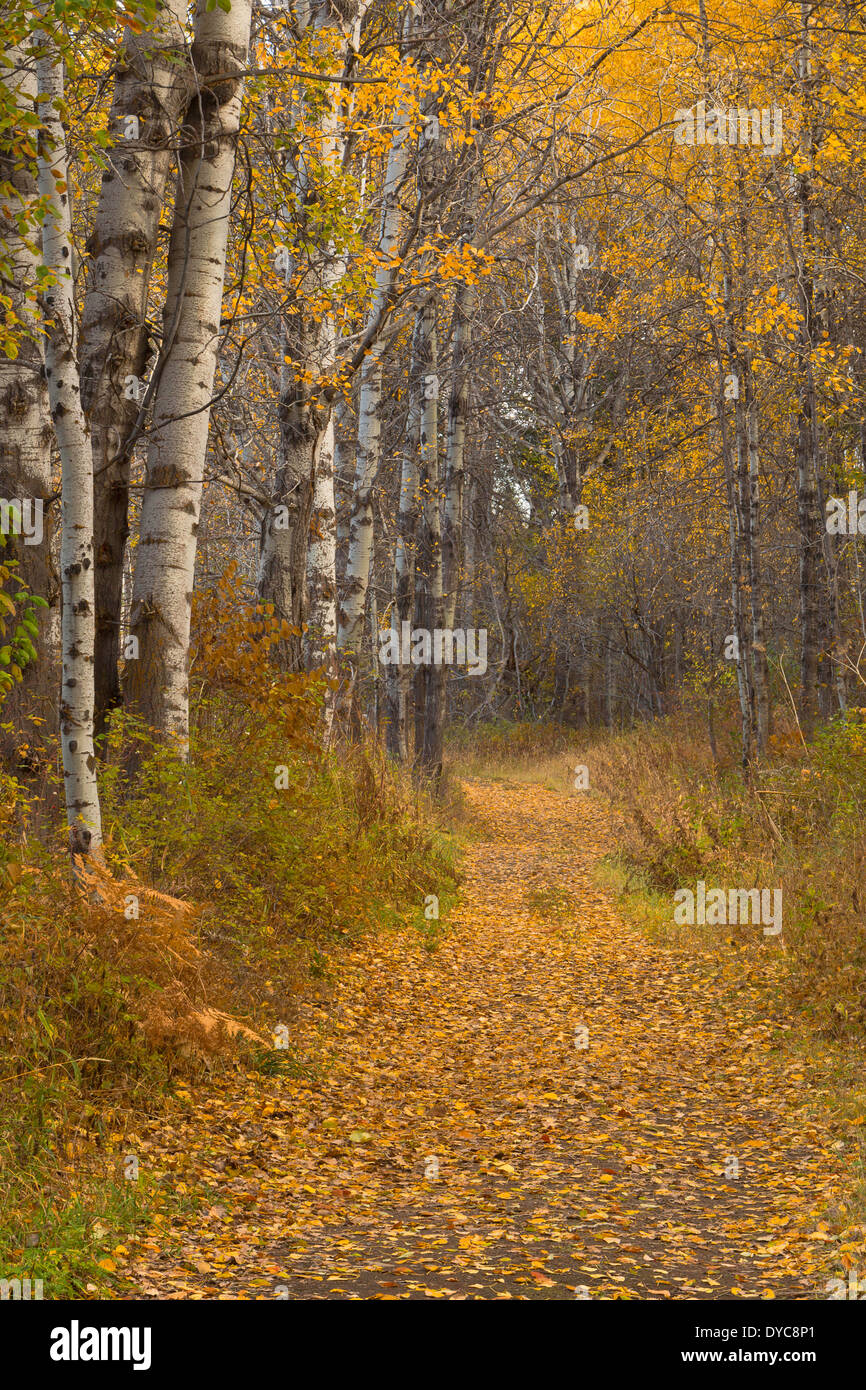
(403, 587)
(303, 505)
(430, 675)
(25, 425)
(744, 544)
(152, 89)
(429, 592)
(345, 433)
(470, 552)
(64, 394)
(834, 555)
(157, 682)
(736, 581)
(455, 447)
(375, 667)
(735, 455)
(322, 552)
(322, 558)
(357, 576)
(809, 536)
(809, 521)
(286, 525)
(608, 677)
(760, 679)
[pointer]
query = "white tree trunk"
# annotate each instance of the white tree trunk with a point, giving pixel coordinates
(64, 394)
(322, 557)
(298, 549)
(25, 426)
(151, 93)
(357, 577)
(158, 683)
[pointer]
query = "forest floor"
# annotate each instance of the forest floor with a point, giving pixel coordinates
(443, 1131)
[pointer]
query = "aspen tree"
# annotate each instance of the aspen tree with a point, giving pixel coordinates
(73, 442)
(322, 552)
(360, 541)
(25, 425)
(151, 93)
(158, 681)
(304, 478)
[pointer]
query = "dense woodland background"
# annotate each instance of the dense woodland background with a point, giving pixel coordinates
(431, 314)
(320, 319)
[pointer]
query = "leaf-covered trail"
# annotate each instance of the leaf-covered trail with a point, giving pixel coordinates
(602, 1171)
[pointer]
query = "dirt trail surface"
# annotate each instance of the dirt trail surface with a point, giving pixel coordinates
(451, 1137)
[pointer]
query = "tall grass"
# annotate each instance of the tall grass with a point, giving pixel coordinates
(682, 811)
(797, 824)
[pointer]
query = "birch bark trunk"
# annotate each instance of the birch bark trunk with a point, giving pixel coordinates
(322, 558)
(152, 89)
(298, 549)
(157, 681)
(25, 425)
(286, 524)
(360, 550)
(64, 394)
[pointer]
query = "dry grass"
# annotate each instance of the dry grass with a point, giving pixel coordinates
(538, 754)
(681, 811)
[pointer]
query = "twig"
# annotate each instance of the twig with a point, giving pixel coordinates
(793, 706)
(74, 1060)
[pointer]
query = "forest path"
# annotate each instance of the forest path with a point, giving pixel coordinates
(563, 1171)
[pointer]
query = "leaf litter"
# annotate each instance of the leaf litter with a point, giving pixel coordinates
(457, 1135)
